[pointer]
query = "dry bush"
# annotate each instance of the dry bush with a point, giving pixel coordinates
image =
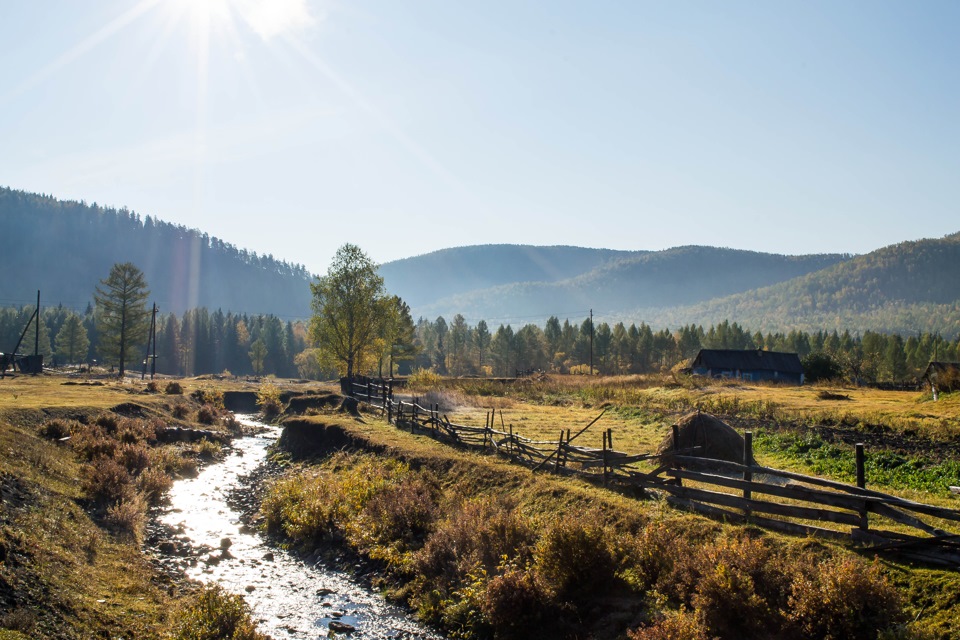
(131, 430)
(135, 458)
(207, 449)
(173, 388)
(214, 614)
(647, 557)
(56, 429)
(268, 399)
(206, 415)
(682, 625)
(180, 411)
(399, 516)
(153, 387)
(518, 606)
(423, 379)
(129, 515)
(575, 558)
(91, 441)
(107, 480)
(480, 533)
(843, 598)
(108, 421)
(212, 397)
(154, 483)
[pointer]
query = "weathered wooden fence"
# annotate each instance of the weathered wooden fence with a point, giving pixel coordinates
(743, 492)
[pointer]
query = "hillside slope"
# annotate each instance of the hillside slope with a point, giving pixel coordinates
(65, 248)
(678, 276)
(906, 287)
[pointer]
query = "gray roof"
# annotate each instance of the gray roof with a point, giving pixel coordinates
(753, 360)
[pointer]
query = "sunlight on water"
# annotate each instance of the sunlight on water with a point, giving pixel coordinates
(289, 598)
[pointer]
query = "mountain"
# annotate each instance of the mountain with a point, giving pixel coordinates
(423, 280)
(64, 249)
(580, 279)
(904, 288)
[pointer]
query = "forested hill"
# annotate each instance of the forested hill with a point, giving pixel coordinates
(65, 248)
(617, 286)
(425, 279)
(903, 288)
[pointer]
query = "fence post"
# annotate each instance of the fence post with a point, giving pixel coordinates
(862, 483)
(604, 458)
(748, 462)
(556, 463)
(369, 392)
(676, 449)
(565, 451)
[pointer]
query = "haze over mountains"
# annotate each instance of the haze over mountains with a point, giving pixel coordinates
(65, 248)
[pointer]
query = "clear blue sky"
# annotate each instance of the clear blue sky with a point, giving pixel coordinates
(292, 126)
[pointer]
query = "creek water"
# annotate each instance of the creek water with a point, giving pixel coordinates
(290, 597)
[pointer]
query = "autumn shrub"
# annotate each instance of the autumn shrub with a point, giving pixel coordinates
(173, 388)
(843, 598)
(519, 606)
(91, 441)
(129, 515)
(575, 558)
(180, 411)
(154, 483)
(397, 519)
(648, 556)
(740, 587)
(207, 449)
(480, 532)
(109, 422)
(106, 480)
(423, 379)
(131, 430)
(268, 399)
(682, 625)
(301, 506)
(214, 614)
(206, 415)
(212, 397)
(56, 429)
(133, 457)
(153, 387)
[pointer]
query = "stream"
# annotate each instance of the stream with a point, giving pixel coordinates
(289, 597)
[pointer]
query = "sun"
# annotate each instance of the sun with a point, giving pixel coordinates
(266, 18)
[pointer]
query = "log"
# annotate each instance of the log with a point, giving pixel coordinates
(777, 525)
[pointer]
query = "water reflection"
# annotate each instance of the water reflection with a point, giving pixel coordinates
(289, 598)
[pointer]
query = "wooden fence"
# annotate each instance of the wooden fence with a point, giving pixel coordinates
(742, 492)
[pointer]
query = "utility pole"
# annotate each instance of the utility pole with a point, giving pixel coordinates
(591, 341)
(151, 342)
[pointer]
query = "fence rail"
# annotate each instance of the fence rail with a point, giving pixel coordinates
(743, 491)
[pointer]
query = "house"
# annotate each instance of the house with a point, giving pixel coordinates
(942, 376)
(751, 365)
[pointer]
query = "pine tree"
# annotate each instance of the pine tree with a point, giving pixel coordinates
(122, 316)
(72, 341)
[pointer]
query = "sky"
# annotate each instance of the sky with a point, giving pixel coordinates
(290, 127)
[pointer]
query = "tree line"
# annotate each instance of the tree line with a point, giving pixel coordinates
(460, 349)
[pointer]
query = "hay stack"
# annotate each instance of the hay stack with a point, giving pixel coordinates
(715, 439)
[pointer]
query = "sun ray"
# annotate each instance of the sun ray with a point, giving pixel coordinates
(84, 46)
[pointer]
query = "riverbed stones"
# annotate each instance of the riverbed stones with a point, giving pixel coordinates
(341, 627)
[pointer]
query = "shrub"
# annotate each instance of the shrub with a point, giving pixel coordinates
(92, 442)
(129, 515)
(180, 411)
(682, 625)
(173, 388)
(268, 399)
(153, 387)
(396, 519)
(207, 449)
(214, 614)
(57, 428)
(424, 379)
(517, 605)
(154, 483)
(481, 533)
(133, 457)
(212, 397)
(206, 415)
(843, 598)
(135, 430)
(108, 421)
(575, 558)
(106, 479)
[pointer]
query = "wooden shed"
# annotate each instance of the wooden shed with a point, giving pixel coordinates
(943, 376)
(751, 366)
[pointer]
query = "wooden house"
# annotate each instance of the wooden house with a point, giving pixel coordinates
(751, 366)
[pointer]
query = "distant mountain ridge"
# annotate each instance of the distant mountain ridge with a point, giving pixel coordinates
(64, 249)
(615, 285)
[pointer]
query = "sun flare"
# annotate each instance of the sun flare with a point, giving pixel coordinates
(266, 18)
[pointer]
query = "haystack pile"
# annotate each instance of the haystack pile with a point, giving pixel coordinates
(713, 438)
